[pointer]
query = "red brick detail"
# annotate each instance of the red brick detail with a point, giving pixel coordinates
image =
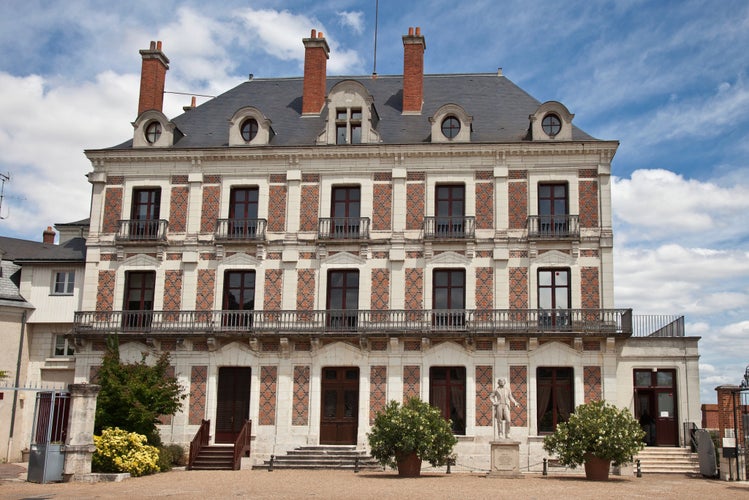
(300, 412)
(309, 207)
(518, 345)
(484, 205)
(518, 287)
(302, 346)
(519, 388)
(412, 345)
(414, 289)
(378, 345)
(305, 290)
(414, 254)
(411, 382)
(206, 287)
(152, 78)
(589, 253)
(172, 291)
(485, 288)
(313, 178)
(168, 345)
(273, 290)
(483, 391)
(316, 53)
(211, 206)
(166, 419)
(211, 179)
(377, 391)
(413, 71)
(98, 346)
(483, 175)
(273, 256)
(383, 207)
(115, 180)
(107, 257)
(277, 209)
(380, 289)
(518, 254)
(518, 204)
(518, 174)
(178, 209)
(112, 210)
(415, 205)
(277, 178)
(591, 345)
(484, 345)
(416, 176)
(200, 346)
(588, 203)
(589, 288)
(592, 383)
(105, 294)
(198, 379)
(590, 173)
(268, 381)
(383, 176)
(179, 179)
(270, 346)
(730, 401)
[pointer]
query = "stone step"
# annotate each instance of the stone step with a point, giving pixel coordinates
(658, 460)
(215, 458)
(323, 457)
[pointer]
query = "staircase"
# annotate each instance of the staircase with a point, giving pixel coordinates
(215, 458)
(323, 457)
(658, 460)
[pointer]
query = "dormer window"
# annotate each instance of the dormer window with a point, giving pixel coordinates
(351, 116)
(450, 127)
(552, 121)
(249, 129)
(551, 124)
(451, 123)
(348, 126)
(153, 132)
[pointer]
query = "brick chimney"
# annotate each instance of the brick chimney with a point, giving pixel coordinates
(316, 54)
(413, 71)
(48, 236)
(152, 77)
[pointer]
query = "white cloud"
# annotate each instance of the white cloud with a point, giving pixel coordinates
(353, 20)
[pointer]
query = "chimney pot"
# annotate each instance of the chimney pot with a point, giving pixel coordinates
(316, 53)
(411, 31)
(413, 71)
(313, 34)
(320, 35)
(48, 236)
(418, 31)
(153, 45)
(158, 43)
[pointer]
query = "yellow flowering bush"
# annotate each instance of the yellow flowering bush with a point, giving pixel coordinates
(121, 451)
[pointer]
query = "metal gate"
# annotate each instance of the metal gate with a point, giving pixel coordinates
(46, 455)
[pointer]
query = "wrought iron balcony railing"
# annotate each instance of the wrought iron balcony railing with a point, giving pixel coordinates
(553, 226)
(343, 228)
(606, 322)
(142, 230)
(240, 229)
(445, 228)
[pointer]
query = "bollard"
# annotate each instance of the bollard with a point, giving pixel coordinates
(356, 464)
(270, 464)
(449, 463)
(546, 471)
(639, 470)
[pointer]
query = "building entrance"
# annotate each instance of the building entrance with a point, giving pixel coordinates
(340, 404)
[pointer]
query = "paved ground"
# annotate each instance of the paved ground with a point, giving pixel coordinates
(284, 484)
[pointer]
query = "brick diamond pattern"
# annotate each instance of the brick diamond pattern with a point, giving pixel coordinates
(588, 203)
(415, 205)
(112, 210)
(411, 382)
(309, 207)
(206, 285)
(300, 412)
(589, 288)
(172, 291)
(273, 289)
(591, 345)
(518, 287)
(483, 390)
(590, 173)
(380, 290)
(383, 176)
(105, 295)
(518, 174)
(277, 208)
(414, 289)
(115, 180)
(210, 210)
(167, 419)
(484, 288)
(592, 383)
(484, 205)
(519, 388)
(268, 381)
(383, 207)
(198, 379)
(518, 345)
(178, 209)
(483, 175)
(518, 201)
(377, 391)
(305, 292)
(179, 179)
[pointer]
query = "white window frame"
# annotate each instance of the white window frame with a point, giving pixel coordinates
(68, 350)
(68, 282)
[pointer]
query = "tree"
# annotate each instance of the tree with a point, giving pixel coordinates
(134, 395)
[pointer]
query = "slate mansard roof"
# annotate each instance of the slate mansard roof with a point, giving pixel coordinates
(499, 108)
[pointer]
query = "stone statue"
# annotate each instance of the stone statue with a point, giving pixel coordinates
(501, 398)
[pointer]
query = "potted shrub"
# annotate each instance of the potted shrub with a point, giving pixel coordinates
(404, 435)
(597, 434)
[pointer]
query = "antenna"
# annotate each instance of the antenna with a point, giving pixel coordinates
(3, 179)
(377, 16)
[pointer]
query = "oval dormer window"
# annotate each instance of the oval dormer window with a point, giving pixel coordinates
(249, 129)
(153, 132)
(450, 127)
(551, 124)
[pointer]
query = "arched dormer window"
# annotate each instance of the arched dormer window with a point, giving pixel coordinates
(552, 121)
(153, 130)
(450, 123)
(249, 127)
(352, 118)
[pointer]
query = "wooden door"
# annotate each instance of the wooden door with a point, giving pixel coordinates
(233, 403)
(340, 405)
(656, 406)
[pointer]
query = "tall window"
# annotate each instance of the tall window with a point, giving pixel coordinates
(239, 297)
(450, 211)
(343, 299)
(345, 210)
(554, 296)
(63, 347)
(139, 294)
(447, 391)
(448, 294)
(552, 209)
(64, 283)
(348, 125)
(144, 214)
(555, 396)
(243, 203)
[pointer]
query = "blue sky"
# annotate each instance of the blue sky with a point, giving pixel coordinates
(668, 79)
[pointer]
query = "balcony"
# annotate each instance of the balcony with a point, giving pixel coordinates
(343, 228)
(449, 228)
(425, 322)
(553, 226)
(141, 230)
(240, 229)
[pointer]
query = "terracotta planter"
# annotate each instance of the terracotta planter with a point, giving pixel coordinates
(409, 465)
(597, 469)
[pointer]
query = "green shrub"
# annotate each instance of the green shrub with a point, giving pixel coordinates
(122, 451)
(171, 455)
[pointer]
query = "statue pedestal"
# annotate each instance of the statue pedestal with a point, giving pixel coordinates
(505, 459)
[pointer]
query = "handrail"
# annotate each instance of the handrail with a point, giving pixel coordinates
(138, 230)
(242, 444)
(553, 226)
(343, 228)
(441, 228)
(198, 442)
(240, 229)
(690, 430)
